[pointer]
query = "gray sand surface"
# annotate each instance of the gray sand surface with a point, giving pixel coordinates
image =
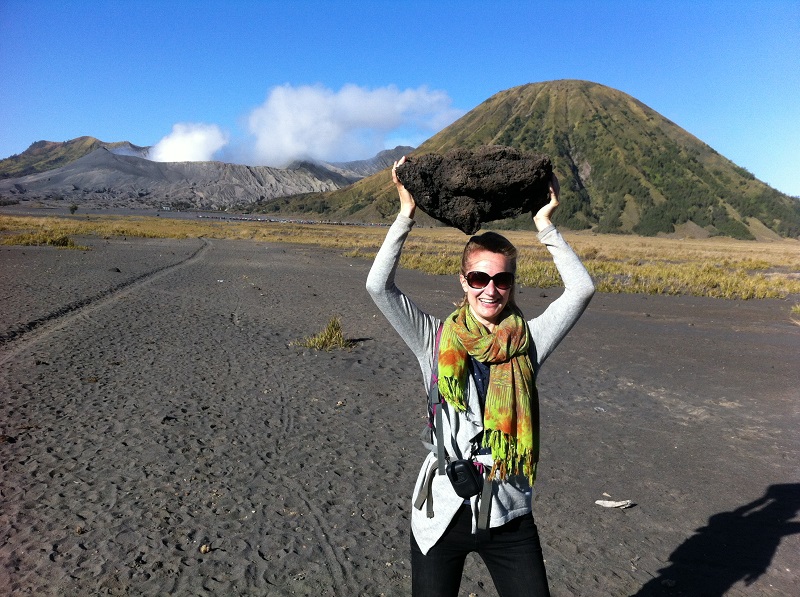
(149, 411)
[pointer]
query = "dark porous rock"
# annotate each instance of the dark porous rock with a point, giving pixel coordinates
(466, 187)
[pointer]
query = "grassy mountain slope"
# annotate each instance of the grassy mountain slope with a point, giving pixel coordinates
(623, 167)
(48, 155)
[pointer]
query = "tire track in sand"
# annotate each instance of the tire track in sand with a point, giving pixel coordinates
(335, 560)
(41, 327)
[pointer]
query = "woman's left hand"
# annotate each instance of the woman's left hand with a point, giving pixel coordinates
(542, 217)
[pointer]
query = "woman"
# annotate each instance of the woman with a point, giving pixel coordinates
(488, 360)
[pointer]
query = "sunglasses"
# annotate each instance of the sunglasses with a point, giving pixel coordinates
(479, 280)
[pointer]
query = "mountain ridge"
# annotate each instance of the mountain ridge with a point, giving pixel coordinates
(42, 156)
(109, 176)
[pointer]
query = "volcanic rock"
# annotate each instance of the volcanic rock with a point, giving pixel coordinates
(464, 188)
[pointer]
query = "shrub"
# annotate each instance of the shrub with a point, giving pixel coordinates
(735, 229)
(328, 339)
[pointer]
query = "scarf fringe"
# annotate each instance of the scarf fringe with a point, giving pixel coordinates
(507, 461)
(453, 392)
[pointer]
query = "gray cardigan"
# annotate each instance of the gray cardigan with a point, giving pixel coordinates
(511, 498)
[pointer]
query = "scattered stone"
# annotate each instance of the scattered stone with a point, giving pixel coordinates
(622, 504)
(464, 188)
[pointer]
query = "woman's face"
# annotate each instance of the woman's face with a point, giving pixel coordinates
(487, 303)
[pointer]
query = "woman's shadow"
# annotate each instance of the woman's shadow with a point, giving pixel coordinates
(733, 546)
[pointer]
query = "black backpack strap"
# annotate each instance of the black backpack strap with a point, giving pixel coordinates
(440, 455)
(433, 432)
(436, 406)
(485, 504)
(433, 386)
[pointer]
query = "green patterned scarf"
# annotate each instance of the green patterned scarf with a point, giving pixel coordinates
(511, 413)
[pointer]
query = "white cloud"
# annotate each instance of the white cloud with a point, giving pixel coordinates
(352, 123)
(189, 142)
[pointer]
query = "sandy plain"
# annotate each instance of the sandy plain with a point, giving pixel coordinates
(153, 403)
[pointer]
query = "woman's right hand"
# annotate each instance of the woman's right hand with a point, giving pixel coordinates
(542, 217)
(407, 204)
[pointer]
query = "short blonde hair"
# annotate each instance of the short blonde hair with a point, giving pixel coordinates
(492, 242)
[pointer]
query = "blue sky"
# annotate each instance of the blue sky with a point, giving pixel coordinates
(260, 82)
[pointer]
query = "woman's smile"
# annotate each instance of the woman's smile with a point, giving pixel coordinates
(488, 303)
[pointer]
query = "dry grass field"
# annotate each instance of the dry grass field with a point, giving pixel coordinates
(716, 267)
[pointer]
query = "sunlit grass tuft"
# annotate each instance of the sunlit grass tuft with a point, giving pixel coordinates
(795, 311)
(328, 339)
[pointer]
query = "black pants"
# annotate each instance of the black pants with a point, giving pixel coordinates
(512, 553)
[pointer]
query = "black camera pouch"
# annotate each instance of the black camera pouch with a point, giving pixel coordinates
(465, 478)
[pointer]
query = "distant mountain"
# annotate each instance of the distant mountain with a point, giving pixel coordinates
(113, 175)
(48, 155)
(383, 160)
(623, 167)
